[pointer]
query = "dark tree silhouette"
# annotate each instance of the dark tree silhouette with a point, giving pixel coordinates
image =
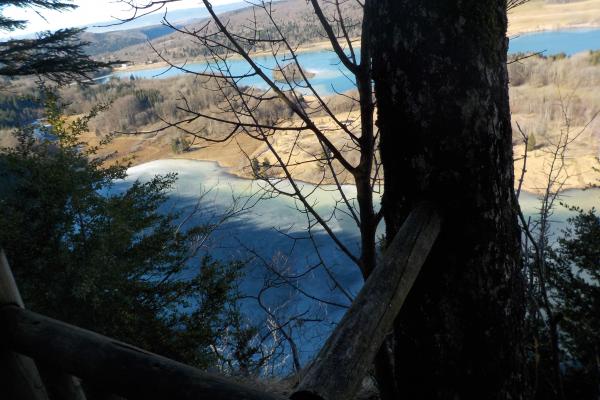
(58, 56)
(442, 93)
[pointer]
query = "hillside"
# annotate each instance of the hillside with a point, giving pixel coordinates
(109, 42)
(107, 38)
(295, 18)
(540, 88)
(537, 86)
(543, 15)
(297, 21)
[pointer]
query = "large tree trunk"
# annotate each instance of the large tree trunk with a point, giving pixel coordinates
(443, 112)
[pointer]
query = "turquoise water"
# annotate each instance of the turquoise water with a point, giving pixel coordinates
(272, 235)
(554, 42)
(331, 77)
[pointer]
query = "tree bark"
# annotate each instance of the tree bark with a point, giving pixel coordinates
(441, 84)
(112, 365)
(338, 370)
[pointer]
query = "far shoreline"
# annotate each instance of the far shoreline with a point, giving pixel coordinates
(533, 31)
(325, 46)
(228, 171)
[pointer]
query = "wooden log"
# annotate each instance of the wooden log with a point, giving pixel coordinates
(113, 365)
(63, 386)
(20, 378)
(339, 368)
(9, 292)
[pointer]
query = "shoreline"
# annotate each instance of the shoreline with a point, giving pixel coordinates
(325, 46)
(227, 171)
(313, 47)
(533, 31)
(551, 24)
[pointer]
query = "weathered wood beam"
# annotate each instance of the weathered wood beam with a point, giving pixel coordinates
(339, 368)
(61, 385)
(58, 384)
(19, 376)
(120, 368)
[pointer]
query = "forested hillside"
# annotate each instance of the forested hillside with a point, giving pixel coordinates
(295, 18)
(113, 41)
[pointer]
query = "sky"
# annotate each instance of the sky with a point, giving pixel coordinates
(89, 12)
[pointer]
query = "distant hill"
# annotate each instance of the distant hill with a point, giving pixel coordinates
(296, 18)
(180, 16)
(106, 37)
(109, 42)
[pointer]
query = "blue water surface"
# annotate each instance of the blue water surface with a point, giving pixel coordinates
(553, 42)
(330, 77)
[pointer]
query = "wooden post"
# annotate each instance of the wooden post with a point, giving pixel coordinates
(59, 384)
(116, 366)
(339, 368)
(19, 375)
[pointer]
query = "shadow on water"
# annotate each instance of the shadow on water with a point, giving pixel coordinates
(271, 235)
(272, 232)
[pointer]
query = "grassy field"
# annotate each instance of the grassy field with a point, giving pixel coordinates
(550, 97)
(541, 15)
(554, 97)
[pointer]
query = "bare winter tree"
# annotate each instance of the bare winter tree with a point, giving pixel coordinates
(537, 242)
(441, 86)
(297, 124)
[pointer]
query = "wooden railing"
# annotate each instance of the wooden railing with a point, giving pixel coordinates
(335, 374)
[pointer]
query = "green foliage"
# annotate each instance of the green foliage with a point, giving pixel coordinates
(575, 276)
(9, 24)
(59, 56)
(531, 142)
(595, 57)
(260, 170)
(106, 260)
(148, 98)
(17, 110)
(557, 57)
(256, 169)
(180, 145)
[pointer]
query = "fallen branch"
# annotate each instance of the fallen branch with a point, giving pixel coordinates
(116, 366)
(339, 368)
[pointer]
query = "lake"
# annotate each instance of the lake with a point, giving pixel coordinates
(554, 42)
(331, 77)
(273, 234)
